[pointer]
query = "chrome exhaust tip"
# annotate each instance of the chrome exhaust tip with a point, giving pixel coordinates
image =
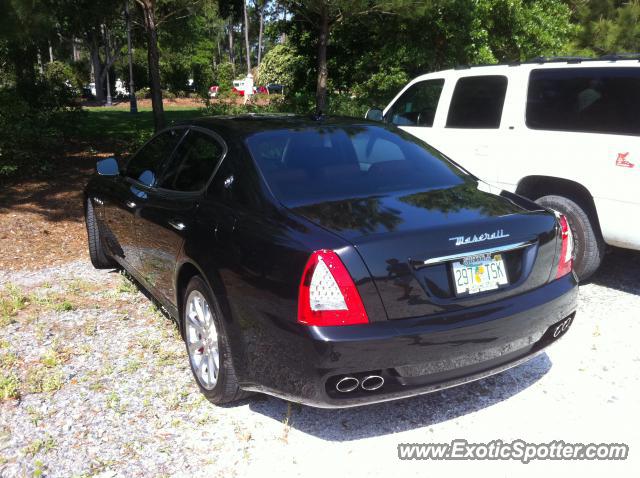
(372, 382)
(347, 384)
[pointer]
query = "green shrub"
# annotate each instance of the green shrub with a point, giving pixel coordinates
(34, 125)
(282, 64)
(223, 76)
(168, 95)
(143, 93)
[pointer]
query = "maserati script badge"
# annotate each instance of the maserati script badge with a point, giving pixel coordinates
(462, 240)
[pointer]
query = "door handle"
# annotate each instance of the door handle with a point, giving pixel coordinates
(177, 225)
(131, 204)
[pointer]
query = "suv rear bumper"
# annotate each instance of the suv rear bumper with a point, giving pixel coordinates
(417, 355)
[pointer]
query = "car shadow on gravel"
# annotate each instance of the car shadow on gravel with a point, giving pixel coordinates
(406, 414)
(620, 270)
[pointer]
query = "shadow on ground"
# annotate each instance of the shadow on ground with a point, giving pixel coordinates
(407, 414)
(620, 270)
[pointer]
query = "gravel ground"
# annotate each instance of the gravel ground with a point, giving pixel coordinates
(99, 385)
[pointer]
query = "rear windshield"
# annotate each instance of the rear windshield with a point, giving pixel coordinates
(320, 164)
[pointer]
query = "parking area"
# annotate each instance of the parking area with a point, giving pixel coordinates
(95, 381)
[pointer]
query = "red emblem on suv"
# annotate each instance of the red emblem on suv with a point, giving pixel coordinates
(622, 161)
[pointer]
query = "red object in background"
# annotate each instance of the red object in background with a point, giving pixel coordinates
(236, 91)
(623, 161)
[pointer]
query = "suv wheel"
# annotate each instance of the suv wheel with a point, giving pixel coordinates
(589, 246)
(207, 345)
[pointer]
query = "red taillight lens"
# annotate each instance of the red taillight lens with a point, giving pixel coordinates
(327, 293)
(565, 263)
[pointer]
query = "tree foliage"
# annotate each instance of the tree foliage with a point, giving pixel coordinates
(343, 54)
(607, 26)
(280, 65)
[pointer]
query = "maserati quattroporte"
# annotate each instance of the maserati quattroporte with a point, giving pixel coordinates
(330, 261)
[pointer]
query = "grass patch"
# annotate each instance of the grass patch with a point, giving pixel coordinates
(64, 306)
(51, 358)
(41, 379)
(12, 300)
(77, 286)
(90, 327)
(35, 416)
(125, 286)
(8, 360)
(9, 386)
(45, 444)
(114, 402)
(169, 357)
(132, 366)
(101, 122)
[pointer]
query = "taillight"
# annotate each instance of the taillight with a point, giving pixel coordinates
(565, 263)
(327, 293)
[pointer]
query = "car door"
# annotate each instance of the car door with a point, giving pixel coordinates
(473, 134)
(122, 202)
(166, 216)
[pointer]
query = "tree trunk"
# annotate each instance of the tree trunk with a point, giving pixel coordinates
(97, 71)
(74, 49)
(153, 57)
(246, 36)
(24, 55)
(107, 66)
(260, 33)
(133, 101)
(231, 56)
(321, 87)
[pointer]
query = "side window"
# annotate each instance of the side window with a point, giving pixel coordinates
(417, 106)
(477, 102)
(193, 163)
(595, 100)
(148, 161)
(236, 182)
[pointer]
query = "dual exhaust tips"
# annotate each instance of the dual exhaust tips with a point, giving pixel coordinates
(369, 383)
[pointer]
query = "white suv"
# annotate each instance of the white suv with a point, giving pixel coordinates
(563, 132)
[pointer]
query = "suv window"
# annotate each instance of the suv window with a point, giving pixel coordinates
(417, 106)
(148, 161)
(477, 102)
(193, 163)
(597, 100)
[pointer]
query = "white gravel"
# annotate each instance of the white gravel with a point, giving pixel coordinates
(127, 405)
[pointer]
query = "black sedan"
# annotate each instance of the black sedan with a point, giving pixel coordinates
(330, 261)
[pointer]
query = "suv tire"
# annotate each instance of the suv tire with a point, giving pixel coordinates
(589, 246)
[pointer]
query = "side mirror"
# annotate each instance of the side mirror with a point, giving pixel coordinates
(373, 114)
(108, 167)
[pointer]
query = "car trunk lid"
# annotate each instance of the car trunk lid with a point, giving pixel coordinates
(409, 241)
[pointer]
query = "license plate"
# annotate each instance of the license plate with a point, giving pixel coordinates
(479, 273)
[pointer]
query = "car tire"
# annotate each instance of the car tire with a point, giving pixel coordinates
(589, 247)
(203, 327)
(97, 254)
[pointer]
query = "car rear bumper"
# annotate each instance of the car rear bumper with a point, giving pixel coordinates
(417, 355)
